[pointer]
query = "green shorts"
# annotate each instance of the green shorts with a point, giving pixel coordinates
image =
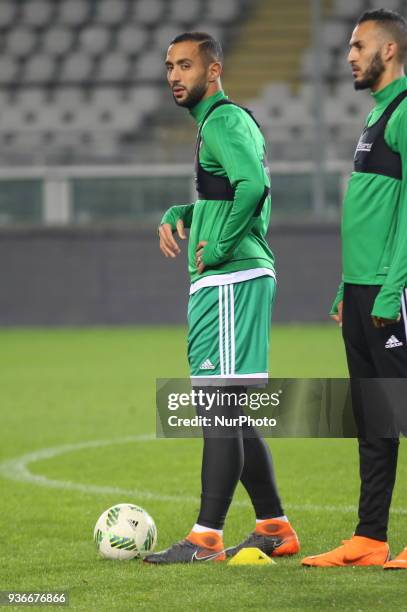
(229, 332)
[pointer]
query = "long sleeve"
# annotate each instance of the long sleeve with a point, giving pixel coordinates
(229, 142)
(337, 300)
(181, 211)
(388, 301)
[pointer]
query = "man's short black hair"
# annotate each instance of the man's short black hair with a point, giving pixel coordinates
(392, 22)
(209, 48)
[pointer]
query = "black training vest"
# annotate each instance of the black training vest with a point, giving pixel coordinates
(209, 186)
(373, 154)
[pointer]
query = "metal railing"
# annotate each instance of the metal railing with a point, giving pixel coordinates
(80, 195)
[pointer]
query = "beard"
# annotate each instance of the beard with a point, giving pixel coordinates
(372, 73)
(195, 95)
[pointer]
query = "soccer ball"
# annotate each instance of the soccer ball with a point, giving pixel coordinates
(125, 531)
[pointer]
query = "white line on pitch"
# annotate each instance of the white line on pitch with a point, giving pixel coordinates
(17, 469)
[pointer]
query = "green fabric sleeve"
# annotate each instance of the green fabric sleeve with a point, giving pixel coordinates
(181, 211)
(388, 301)
(337, 300)
(229, 142)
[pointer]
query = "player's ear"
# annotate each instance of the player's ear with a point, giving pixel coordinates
(390, 50)
(215, 71)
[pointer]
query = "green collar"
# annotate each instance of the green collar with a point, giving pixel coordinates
(386, 95)
(199, 110)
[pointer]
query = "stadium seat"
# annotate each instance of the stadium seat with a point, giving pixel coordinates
(308, 65)
(146, 98)
(20, 41)
(95, 40)
(335, 113)
(89, 118)
(276, 92)
(24, 144)
(114, 67)
(110, 12)
(306, 94)
(57, 41)
(79, 118)
(73, 12)
(4, 98)
(356, 103)
(8, 12)
(184, 11)
(31, 99)
(11, 118)
(293, 114)
(16, 119)
(39, 68)
(106, 98)
(123, 118)
(42, 119)
(222, 12)
(258, 108)
(131, 39)
(148, 11)
(342, 67)
(8, 69)
(37, 13)
(76, 67)
(150, 67)
(69, 99)
(98, 146)
(335, 35)
(164, 35)
(71, 142)
(344, 90)
(348, 9)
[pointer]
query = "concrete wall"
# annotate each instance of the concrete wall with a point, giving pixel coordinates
(118, 276)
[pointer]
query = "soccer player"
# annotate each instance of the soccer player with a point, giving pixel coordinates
(231, 296)
(371, 301)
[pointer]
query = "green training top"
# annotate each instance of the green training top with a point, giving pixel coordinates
(232, 147)
(374, 219)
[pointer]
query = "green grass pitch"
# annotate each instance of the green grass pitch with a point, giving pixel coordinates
(67, 387)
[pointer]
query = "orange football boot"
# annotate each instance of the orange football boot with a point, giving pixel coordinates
(285, 538)
(356, 551)
(399, 562)
(210, 541)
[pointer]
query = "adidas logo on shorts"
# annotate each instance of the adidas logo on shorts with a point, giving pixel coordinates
(392, 342)
(207, 365)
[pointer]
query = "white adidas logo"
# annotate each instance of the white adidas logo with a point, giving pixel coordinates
(392, 342)
(207, 365)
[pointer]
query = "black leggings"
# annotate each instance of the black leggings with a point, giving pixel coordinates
(230, 454)
(369, 356)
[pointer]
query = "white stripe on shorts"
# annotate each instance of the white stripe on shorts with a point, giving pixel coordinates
(403, 309)
(226, 298)
(222, 369)
(232, 331)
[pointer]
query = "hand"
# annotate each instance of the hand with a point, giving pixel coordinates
(338, 317)
(198, 256)
(382, 322)
(167, 243)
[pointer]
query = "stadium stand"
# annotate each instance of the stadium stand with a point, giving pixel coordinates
(89, 68)
(77, 72)
(286, 106)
